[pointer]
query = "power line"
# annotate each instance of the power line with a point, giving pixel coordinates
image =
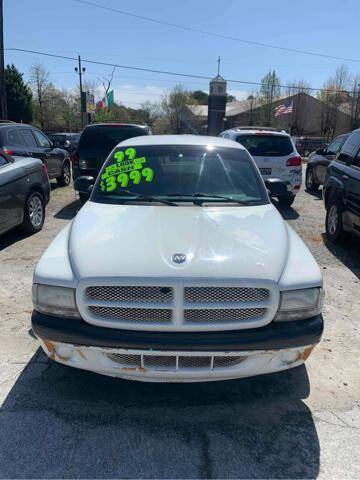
(214, 34)
(177, 74)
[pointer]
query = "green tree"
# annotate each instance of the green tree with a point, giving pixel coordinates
(269, 92)
(18, 96)
(200, 96)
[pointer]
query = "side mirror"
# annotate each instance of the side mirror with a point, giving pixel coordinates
(275, 187)
(67, 144)
(84, 184)
(320, 151)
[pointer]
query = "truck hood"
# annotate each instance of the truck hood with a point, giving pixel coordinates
(139, 241)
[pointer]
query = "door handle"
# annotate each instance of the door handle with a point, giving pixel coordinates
(345, 177)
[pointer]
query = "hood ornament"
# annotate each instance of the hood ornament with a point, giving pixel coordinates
(178, 257)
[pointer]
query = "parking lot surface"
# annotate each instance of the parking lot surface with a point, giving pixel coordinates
(57, 422)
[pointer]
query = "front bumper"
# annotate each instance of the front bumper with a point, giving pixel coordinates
(177, 357)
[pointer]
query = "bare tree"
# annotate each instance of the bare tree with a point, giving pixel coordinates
(334, 95)
(40, 82)
(175, 109)
(297, 86)
(107, 81)
(150, 112)
(354, 101)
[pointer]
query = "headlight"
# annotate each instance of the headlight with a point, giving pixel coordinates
(55, 300)
(299, 304)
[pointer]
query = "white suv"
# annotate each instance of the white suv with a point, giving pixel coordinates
(274, 153)
(178, 268)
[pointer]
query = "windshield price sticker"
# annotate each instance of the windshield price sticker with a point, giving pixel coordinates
(128, 167)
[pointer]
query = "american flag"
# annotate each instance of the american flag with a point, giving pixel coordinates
(286, 107)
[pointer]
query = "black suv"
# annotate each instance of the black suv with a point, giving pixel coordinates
(20, 140)
(96, 142)
(341, 192)
(67, 141)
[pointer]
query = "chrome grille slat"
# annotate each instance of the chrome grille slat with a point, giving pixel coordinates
(151, 294)
(133, 315)
(225, 294)
(223, 315)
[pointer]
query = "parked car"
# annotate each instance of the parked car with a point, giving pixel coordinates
(341, 191)
(96, 142)
(194, 275)
(320, 160)
(306, 145)
(24, 192)
(275, 155)
(20, 140)
(67, 141)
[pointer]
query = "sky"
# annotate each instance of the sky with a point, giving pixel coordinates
(68, 27)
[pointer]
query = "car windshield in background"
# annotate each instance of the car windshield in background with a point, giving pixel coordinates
(260, 145)
(180, 173)
(104, 137)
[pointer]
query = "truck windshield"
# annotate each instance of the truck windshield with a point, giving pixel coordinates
(180, 173)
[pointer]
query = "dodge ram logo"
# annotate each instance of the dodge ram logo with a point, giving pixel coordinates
(178, 258)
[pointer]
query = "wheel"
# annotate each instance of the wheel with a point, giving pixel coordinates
(34, 213)
(83, 197)
(333, 221)
(65, 178)
(287, 200)
(310, 183)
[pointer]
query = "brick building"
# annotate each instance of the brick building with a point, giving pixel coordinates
(310, 116)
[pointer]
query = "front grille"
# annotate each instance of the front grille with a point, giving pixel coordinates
(163, 362)
(226, 362)
(134, 315)
(130, 361)
(131, 294)
(225, 294)
(175, 363)
(194, 362)
(177, 305)
(223, 315)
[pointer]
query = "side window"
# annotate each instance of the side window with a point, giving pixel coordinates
(14, 137)
(357, 159)
(2, 161)
(345, 158)
(28, 137)
(41, 139)
(334, 146)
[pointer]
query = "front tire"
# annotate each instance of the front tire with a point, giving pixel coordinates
(333, 222)
(311, 185)
(65, 178)
(285, 201)
(34, 213)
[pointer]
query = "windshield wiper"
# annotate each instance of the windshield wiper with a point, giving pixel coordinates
(200, 195)
(143, 196)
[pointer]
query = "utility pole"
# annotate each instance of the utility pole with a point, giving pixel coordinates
(80, 70)
(3, 107)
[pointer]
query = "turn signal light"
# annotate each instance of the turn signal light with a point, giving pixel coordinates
(294, 162)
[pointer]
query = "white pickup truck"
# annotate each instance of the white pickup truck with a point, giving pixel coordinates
(178, 268)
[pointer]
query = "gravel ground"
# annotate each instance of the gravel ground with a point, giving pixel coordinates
(57, 422)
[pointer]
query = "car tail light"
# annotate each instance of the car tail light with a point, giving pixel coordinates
(75, 158)
(43, 168)
(8, 151)
(294, 162)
